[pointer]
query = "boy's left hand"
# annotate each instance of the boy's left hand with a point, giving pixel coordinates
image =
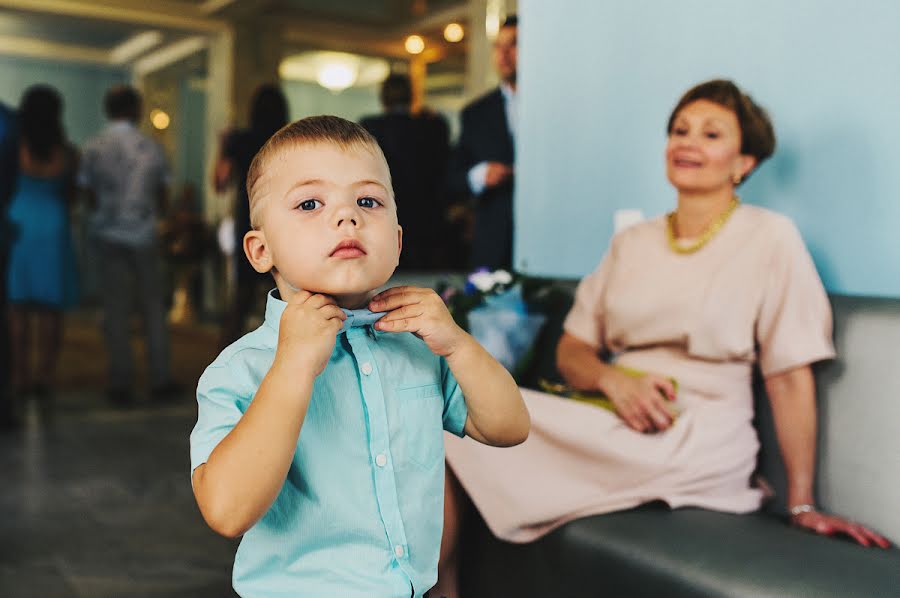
(422, 312)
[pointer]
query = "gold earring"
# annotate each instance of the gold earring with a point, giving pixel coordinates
(736, 179)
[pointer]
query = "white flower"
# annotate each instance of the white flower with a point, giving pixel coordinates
(502, 277)
(483, 281)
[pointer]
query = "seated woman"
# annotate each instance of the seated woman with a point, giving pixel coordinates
(700, 296)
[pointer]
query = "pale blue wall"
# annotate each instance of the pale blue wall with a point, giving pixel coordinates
(599, 77)
(311, 99)
(82, 87)
(191, 150)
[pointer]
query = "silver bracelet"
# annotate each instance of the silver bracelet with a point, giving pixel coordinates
(804, 508)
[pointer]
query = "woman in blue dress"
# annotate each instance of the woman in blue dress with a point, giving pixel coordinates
(42, 276)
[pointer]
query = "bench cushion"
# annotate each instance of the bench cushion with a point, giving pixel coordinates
(654, 551)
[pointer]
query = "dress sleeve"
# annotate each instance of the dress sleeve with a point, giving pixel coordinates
(219, 407)
(794, 324)
(585, 319)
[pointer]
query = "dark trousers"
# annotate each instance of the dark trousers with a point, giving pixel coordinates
(129, 275)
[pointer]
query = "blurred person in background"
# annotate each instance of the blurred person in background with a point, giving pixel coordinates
(126, 174)
(42, 273)
(8, 172)
(417, 147)
(483, 162)
(268, 113)
(185, 238)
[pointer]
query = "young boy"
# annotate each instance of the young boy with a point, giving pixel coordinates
(319, 436)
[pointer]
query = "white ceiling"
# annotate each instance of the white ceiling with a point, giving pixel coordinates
(103, 31)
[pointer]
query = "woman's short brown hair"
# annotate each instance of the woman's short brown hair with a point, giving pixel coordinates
(757, 133)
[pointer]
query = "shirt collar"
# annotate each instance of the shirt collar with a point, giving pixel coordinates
(355, 317)
(507, 91)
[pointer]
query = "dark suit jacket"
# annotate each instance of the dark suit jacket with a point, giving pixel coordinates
(485, 137)
(417, 150)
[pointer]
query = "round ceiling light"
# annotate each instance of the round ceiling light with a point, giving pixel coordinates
(159, 119)
(453, 33)
(414, 44)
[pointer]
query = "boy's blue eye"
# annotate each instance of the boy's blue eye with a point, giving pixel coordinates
(367, 202)
(309, 205)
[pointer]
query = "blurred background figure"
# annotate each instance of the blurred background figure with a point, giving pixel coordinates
(484, 157)
(417, 147)
(42, 279)
(126, 173)
(8, 169)
(185, 238)
(268, 113)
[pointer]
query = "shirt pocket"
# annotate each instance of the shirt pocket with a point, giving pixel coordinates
(421, 410)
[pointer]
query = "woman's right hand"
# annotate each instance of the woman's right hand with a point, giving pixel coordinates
(644, 403)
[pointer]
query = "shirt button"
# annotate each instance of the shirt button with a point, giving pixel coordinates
(381, 460)
(366, 368)
(398, 550)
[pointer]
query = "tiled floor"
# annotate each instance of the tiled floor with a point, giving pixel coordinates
(97, 502)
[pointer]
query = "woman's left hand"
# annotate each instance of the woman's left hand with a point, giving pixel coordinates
(830, 525)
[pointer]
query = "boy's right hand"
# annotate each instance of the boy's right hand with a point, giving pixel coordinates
(309, 326)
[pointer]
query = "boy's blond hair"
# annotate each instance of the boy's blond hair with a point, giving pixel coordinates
(345, 134)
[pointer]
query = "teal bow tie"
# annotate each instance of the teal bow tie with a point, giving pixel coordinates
(360, 317)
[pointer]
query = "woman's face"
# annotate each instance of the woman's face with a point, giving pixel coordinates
(703, 153)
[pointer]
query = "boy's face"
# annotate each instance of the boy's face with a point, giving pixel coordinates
(328, 223)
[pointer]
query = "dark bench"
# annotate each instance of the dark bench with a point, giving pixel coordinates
(655, 551)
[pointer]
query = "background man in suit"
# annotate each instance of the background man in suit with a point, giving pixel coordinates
(417, 149)
(484, 157)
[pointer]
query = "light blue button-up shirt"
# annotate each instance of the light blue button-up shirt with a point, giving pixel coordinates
(361, 510)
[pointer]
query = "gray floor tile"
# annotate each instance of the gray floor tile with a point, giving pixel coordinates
(97, 502)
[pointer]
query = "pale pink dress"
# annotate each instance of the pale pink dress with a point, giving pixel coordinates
(750, 295)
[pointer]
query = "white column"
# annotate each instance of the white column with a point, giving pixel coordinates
(478, 59)
(219, 112)
(219, 116)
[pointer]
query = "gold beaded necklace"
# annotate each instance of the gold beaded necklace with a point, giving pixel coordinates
(711, 230)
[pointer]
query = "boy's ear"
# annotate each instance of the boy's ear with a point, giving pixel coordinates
(399, 239)
(257, 251)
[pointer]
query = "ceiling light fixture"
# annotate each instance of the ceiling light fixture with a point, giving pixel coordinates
(337, 75)
(335, 71)
(414, 44)
(159, 119)
(453, 33)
